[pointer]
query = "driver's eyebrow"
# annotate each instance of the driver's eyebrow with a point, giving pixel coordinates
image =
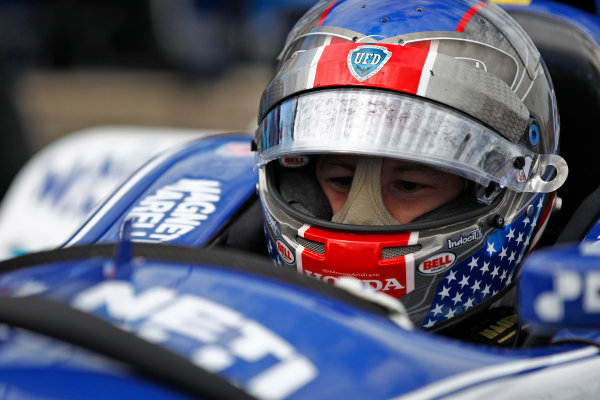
(422, 170)
(414, 167)
(339, 162)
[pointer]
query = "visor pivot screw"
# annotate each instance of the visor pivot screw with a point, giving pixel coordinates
(384, 19)
(530, 210)
(419, 9)
(498, 222)
(519, 162)
(253, 146)
(363, 5)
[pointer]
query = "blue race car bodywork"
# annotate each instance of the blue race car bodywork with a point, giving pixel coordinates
(154, 296)
(231, 314)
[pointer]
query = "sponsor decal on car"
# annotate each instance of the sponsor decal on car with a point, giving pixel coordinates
(75, 189)
(569, 287)
(174, 210)
(219, 337)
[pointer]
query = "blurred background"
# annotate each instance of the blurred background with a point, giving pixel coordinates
(66, 65)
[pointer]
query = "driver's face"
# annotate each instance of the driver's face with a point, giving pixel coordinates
(408, 190)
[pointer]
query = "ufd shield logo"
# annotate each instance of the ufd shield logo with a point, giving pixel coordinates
(365, 61)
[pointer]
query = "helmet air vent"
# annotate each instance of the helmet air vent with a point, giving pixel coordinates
(311, 245)
(399, 251)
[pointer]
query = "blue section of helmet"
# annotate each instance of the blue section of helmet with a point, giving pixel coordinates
(486, 272)
(387, 18)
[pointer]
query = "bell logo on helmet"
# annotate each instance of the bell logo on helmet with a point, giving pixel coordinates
(294, 162)
(285, 252)
(366, 61)
(437, 263)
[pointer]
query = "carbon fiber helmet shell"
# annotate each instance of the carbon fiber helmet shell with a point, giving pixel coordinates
(464, 59)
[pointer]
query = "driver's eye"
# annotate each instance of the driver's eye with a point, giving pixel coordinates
(408, 186)
(345, 181)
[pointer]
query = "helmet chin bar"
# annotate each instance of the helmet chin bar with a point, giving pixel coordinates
(401, 260)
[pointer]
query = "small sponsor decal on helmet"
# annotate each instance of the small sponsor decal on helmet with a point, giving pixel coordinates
(524, 173)
(474, 235)
(366, 61)
(285, 252)
(437, 263)
(294, 161)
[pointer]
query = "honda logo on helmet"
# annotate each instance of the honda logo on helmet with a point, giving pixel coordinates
(365, 61)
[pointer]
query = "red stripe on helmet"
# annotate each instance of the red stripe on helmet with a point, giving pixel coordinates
(360, 256)
(468, 15)
(401, 72)
(325, 13)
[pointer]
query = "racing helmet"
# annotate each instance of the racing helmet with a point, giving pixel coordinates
(454, 88)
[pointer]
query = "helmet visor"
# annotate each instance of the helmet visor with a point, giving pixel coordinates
(394, 125)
